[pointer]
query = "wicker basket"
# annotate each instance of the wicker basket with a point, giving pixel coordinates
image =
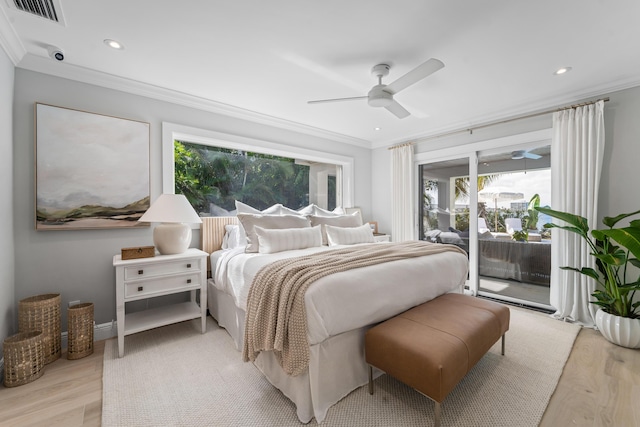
(80, 335)
(42, 313)
(23, 358)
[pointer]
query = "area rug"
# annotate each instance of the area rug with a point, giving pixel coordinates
(176, 376)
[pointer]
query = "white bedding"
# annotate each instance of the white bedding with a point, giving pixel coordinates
(339, 309)
(354, 298)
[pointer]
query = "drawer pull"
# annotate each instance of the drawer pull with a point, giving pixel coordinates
(189, 265)
(140, 288)
(188, 280)
(140, 271)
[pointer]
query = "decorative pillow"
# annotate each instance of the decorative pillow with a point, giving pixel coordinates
(450, 237)
(272, 210)
(352, 220)
(250, 221)
(432, 235)
(313, 209)
(288, 239)
(288, 211)
(350, 235)
(233, 237)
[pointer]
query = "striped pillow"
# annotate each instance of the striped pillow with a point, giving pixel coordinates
(250, 221)
(349, 236)
(288, 239)
(352, 220)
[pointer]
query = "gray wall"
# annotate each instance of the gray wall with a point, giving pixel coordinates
(619, 190)
(7, 317)
(78, 264)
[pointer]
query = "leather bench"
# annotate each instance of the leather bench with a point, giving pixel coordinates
(431, 347)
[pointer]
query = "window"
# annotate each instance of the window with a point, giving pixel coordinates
(213, 170)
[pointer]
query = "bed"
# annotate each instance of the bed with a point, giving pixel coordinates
(337, 316)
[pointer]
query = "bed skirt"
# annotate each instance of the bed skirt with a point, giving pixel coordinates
(337, 365)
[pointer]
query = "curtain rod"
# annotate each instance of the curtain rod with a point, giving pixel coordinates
(401, 145)
(528, 116)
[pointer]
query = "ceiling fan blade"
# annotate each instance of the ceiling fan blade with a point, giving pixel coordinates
(320, 101)
(531, 155)
(414, 76)
(397, 110)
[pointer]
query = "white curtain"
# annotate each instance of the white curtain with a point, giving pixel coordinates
(576, 164)
(402, 193)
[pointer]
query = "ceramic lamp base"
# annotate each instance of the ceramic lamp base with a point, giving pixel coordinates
(172, 238)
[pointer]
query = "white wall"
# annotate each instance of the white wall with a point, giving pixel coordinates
(619, 190)
(78, 264)
(619, 185)
(7, 312)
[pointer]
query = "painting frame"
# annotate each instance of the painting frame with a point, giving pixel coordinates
(92, 171)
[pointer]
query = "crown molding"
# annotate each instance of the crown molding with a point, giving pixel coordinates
(524, 109)
(9, 39)
(73, 72)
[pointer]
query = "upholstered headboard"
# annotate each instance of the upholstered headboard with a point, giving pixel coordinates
(212, 232)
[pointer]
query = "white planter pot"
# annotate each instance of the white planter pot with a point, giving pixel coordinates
(622, 331)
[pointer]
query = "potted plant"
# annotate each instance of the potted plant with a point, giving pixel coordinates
(614, 249)
(520, 235)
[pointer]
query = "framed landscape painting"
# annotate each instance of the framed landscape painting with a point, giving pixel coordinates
(92, 170)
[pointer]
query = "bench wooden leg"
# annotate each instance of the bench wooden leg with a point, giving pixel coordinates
(503, 335)
(370, 379)
(438, 411)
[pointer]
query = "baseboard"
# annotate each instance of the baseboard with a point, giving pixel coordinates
(100, 332)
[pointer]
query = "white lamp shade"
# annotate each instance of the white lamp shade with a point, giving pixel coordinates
(174, 211)
(171, 208)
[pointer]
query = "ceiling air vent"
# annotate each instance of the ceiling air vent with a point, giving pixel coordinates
(48, 9)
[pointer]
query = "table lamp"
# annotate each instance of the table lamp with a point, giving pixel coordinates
(174, 213)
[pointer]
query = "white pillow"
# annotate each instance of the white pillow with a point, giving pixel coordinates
(288, 211)
(244, 208)
(349, 236)
(352, 220)
(277, 209)
(250, 221)
(313, 209)
(288, 239)
(233, 237)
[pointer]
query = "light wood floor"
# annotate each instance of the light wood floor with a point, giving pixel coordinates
(68, 394)
(600, 386)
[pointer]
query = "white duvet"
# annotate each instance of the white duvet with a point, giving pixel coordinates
(351, 299)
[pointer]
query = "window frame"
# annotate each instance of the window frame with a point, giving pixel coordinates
(172, 132)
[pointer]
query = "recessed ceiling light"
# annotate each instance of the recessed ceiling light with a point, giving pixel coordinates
(113, 44)
(562, 70)
(377, 128)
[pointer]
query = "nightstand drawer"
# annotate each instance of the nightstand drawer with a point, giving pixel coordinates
(163, 284)
(159, 269)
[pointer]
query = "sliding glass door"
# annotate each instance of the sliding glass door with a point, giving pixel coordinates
(484, 203)
(514, 249)
(444, 208)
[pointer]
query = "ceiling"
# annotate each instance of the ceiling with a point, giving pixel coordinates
(264, 60)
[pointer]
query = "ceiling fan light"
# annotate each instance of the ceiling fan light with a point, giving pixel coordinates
(380, 102)
(379, 98)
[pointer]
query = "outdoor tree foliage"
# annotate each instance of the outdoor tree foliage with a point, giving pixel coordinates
(211, 177)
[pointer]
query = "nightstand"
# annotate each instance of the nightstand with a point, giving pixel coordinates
(378, 237)
(145, 278)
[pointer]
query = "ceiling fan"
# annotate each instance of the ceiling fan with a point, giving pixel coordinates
(381, 95)
(524, 154)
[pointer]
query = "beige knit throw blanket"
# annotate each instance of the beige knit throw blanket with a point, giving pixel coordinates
(276, 316)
